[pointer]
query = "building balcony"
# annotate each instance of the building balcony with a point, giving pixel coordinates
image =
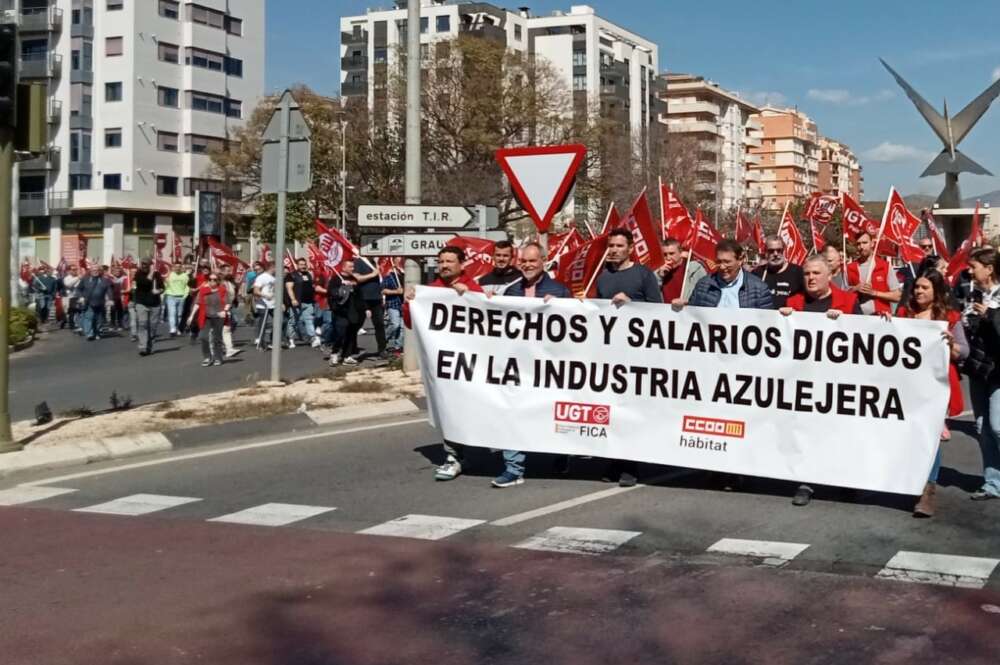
(55, 111)
(354, 62)
(754, 141)
(693, 107)
(753, 175)
(46, 161)
(347, 38)
(81, 30)
(81, 76)
(42, 204)
(704, 187)
(352, 89)
(691, 127)
(753, 159)
(81, 121)
(41, 19)
(41, 66)
(85, 167)
(707, 166)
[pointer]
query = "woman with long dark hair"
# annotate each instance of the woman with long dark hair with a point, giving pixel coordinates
(981, 317)
(929, 301)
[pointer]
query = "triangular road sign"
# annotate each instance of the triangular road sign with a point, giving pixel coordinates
(298, 128)
(541, 177)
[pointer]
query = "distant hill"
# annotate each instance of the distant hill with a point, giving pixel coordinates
(915, 202)
(993, 198)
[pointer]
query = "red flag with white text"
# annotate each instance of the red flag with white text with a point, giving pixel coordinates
(266, 255)
(676, 220)
(646, 248)
(960, 261)
(335, 247)
(579, 268)
(821, 208)
(856, 220)
(940, 246)
(819, 241)
(703, 240)
(758, 235)
(744, 228)
(560, 243)
(795, 248)
(478, 255)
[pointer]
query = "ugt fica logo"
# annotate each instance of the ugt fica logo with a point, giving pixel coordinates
(590, 420)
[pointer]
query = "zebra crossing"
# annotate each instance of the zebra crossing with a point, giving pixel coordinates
(904, 566)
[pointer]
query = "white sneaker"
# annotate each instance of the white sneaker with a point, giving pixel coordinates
(350, 360)
(233, 352)
(449, 470)
(334, 360)
(291, 344)
(362, 332)
(315, 343)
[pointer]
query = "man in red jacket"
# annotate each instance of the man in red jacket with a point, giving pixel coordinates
(878, 293)
(820, 296)
(450, 275)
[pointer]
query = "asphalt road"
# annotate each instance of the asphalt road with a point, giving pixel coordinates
(565, 569)
(67, 371)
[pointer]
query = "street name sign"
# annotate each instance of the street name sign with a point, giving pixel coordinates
(422, 217)
(416, 244)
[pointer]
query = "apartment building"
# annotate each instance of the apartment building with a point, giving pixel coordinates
(789, 156)
(605, 66)
(724, 129)
(139, 92)
(839, 170)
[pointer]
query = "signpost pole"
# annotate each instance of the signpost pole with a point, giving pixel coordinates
(279, 256)
(481, 214)
(411, 270)
(7, 443)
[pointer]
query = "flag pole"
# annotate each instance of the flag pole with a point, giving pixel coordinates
(881, 230)
(695, 229)
(663, 212)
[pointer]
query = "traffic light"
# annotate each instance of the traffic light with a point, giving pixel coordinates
(8, 74)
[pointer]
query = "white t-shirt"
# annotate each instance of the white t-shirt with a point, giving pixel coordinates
(265, 282)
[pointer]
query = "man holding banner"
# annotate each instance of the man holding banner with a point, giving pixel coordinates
(679, 274)
(873, 279)
(783, 277)
(731, 287)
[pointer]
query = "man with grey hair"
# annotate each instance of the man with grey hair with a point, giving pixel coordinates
(783, 278)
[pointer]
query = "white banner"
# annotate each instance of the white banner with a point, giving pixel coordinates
(859, 402)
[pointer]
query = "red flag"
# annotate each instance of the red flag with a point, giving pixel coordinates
(579, 268)
(940, 246)
(478, 255)
(159, 265)
(819, 241)
(129, 263)
(62, 268)
(612, 220)
(560, 243)
(703, 240)
(856, 220)
(646, 247)
(266, 255)
(795, 249)
(744, 228)
(316, 261)
(960, 261)
(83, 251)
(758, 235)
(26, 272)
(821, 208)
(910, 251)
(335, 247)
(289, 261)
(901, 223)
(178, 250)
(677, 222)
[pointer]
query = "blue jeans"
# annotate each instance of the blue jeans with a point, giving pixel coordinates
(42, 305)
(301, 319)
(326, 326)
(93, 316)
(936, 469)
(394, 329)
(986, 408)
(514, 461)
(175, 305)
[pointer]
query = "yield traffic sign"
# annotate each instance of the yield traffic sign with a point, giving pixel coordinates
(541, 177)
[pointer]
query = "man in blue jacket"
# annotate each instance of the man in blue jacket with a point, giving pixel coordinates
(535, 284)
(731, 286)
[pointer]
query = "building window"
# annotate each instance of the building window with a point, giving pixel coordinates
(425, 25)
(443, 24)
(381, 56)
(234, 67)
(112, 181)
(204, 59)
(234, 26)
(579, 82)
(79, 147)
(113, 138)
(201, 145)
(234, 108)
(169, 53)
(199, 101)
(518, 32)
(113, 91)
(113, 46)
(166, 185)
(170, 9)
(168, 97)
(114, 5)
(192, 185)
(78, 182)
(167, 141)
(579, 58)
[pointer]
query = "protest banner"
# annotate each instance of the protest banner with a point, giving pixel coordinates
(855, 402)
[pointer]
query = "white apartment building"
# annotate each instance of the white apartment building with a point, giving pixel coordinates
(725, 131)
(139, 91)
(603, 64)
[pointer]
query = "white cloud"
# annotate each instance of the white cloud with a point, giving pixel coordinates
(843, 97)
(761, 98)
(887, 152)
(996, 74)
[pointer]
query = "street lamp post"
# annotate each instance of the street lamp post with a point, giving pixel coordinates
(343, 174)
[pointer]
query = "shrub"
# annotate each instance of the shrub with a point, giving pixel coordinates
(23, 323)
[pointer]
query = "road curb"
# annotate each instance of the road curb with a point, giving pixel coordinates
(88, 451)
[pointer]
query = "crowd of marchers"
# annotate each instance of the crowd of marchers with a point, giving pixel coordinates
(826, 284)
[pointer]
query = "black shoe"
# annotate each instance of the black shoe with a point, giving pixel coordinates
(144, 353)
(560, 464)
(802, 496)
(627, 480)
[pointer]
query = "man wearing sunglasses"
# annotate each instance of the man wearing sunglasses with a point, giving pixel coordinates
(784, 279)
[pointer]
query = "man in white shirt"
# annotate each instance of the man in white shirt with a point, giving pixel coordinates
(263, 292)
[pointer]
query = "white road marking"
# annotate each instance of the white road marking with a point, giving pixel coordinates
(221, 451)
(19, 495)
(138, 504)
(773, 553)
(586, 498)
(425, 527)
(944, 569)
(578, 541)
(273, 514)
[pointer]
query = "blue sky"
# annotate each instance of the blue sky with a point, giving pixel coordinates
(821, 57)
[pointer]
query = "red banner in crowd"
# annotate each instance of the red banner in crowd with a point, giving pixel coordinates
(940, 246)
(856, 220)
(703, 240)
(795, 248)
(478, 255)
(579, 268)
(675, 217)
(819, 241)
(758, 235)
(744, 228)
(647, 248)
(266, 255)
(178, 249)
(612, 220)
(335, 247)
(960, 261)
(821, 208)
(560, 243)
